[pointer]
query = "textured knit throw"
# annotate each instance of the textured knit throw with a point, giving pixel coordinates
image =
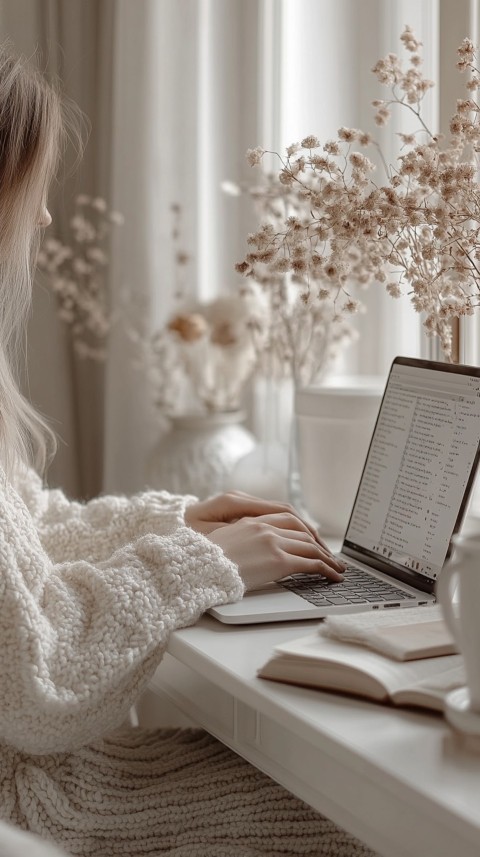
(89, 595)
(176, 793)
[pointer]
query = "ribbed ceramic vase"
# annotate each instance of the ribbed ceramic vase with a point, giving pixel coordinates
(199, 452)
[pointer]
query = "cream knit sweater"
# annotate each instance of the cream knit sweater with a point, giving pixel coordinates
(89, 595)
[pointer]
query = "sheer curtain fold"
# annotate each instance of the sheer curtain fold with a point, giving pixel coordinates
(184, 118)
(152, 166)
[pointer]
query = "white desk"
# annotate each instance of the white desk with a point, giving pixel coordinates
(394, 778)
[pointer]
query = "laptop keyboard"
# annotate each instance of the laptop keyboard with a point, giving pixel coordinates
(358, 587)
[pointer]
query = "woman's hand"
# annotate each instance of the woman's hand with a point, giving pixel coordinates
(267, 540)
(269, 547)
(207, 515)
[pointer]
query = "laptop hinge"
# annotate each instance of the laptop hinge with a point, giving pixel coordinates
(418, 581)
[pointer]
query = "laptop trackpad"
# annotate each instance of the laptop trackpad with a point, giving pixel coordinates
(271, 599)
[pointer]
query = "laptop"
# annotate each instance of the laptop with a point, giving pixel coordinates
(412, 497)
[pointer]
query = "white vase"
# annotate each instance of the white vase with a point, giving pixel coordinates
(198, 453)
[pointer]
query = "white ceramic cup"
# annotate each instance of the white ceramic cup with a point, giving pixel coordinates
(458, 592)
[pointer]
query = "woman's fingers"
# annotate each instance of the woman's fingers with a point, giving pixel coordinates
(207, 515)
(244, 505)
(264, 552)
(301, 546)
(284, 521)
(297, 564)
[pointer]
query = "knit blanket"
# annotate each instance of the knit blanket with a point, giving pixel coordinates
(175, 793)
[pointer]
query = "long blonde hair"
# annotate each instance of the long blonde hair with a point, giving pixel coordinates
(33, 129)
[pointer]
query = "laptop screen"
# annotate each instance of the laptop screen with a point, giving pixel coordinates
(419, 468)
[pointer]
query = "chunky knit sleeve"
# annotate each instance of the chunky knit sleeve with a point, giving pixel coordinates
(71, 530)
(80, 638)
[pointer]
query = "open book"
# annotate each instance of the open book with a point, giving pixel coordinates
(330, 664)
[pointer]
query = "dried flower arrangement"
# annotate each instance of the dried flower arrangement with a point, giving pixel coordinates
(76, 274)
(305, 330)
(327, 225)
(201, 359)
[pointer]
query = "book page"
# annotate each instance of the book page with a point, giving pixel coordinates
(432, 688)
(332, 664)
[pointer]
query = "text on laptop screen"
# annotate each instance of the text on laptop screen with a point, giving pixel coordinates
(420, 458)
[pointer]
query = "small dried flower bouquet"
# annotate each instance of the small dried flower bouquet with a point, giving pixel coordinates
(75, 271)
(306, 255)
(200, 361)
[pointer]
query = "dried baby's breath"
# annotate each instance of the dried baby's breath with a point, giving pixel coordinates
(76, 273)
(419, 232)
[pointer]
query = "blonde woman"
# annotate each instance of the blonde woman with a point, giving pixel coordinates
(90, 593)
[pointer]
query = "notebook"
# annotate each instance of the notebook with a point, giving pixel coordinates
(412, 497)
